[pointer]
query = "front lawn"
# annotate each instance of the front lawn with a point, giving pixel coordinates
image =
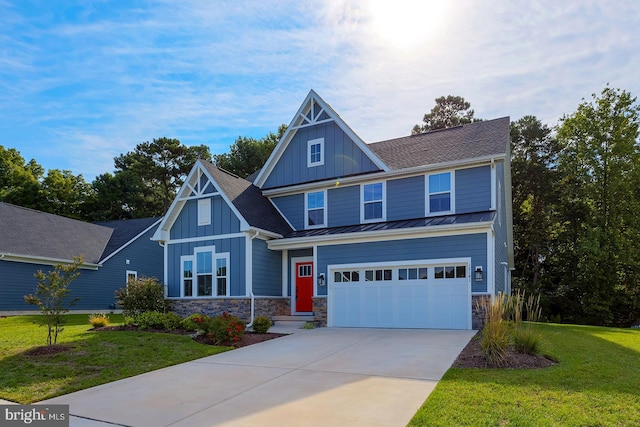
(96, 357)
(596, 383)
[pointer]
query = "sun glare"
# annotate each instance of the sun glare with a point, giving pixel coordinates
(407, 23)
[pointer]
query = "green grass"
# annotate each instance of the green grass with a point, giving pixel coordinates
(96, 357)
(596, 383)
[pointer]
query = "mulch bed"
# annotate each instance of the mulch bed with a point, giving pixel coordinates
(47, 350)
(472, 357)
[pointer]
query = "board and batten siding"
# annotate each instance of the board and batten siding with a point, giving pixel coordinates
(343, 204)
(473, 189)
(500, 227)
(292, 207)
(223, 220)
(235, 247)
(461, 246)
(405, 198)
(342, 157)
(95, 288)
(267, 269)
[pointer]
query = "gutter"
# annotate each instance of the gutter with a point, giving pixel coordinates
(253, 297)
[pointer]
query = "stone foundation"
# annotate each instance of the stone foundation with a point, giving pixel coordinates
(320, 311)
(240, 307)
(477, 311)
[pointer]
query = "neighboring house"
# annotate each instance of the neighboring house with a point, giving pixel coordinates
(113, 251)
(401, 233)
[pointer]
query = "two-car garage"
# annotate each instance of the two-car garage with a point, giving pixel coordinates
(414, 294)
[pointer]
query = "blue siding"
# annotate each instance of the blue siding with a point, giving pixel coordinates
(235, 247)
(500, 227)
(472, 245)
(267, 270)
(223, 220)
(473, 189)
(343, 206)
(95, 288)
(292, 207)
(342, 157)
(405, 198)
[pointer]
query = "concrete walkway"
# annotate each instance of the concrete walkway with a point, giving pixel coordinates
(320, 377)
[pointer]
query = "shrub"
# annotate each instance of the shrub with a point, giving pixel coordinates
(261, 324)
(526, 340)
(194, 322)
(98, 320)
(308, 325)
(150, 320)
(495, 333)
(141, 295)
(172, 321)
(224, 329)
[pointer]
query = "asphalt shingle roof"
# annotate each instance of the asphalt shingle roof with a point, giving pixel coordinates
(124, 231)
(480, 139)
(29, 232)
(248, 199)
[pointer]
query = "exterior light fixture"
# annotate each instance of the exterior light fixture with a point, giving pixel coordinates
(321, 279)
(478, 273)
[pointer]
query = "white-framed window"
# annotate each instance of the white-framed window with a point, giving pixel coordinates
(315, 152)
(204, 273)
(222, 275)
(450, 272)
(132, 276)
(373, 197)
(204, 211)
(440, 193)
(186, 274)
(315, 208)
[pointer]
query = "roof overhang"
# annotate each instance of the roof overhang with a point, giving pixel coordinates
(380, 235)
(32, 259)
(376, 176)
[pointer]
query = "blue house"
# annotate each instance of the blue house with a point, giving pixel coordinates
(114, 252)
(403, 233)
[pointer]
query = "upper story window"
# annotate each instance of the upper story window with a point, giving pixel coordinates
(373, 202)
(440, 193)
(204, 211)
(315, 152)
(315, 209)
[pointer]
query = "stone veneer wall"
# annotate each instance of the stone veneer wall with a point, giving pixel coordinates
(477, 314)
(320, 311)
(241, 307)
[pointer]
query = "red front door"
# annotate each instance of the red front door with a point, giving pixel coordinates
(304, 286)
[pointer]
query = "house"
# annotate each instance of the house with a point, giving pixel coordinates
(404, 233)
(113, 251)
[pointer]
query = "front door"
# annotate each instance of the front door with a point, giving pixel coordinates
(304, 287)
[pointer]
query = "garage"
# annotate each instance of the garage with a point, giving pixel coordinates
(433, 294)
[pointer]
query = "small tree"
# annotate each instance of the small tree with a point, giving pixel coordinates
(51, 295)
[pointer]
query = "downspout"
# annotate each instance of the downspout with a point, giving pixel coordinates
(253, 302)
(163, 245)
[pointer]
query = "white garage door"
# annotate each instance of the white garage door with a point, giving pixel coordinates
(413, 295)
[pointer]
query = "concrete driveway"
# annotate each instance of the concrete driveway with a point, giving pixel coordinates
(319, 377)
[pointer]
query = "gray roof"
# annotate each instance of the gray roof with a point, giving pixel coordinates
(248, 200)
(27, 232)
(480, 139)
(395, 225)
(124, 231)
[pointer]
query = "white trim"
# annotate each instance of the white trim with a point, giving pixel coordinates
(204, 211)
(316, 273)
(306, 210)
(285, 276)
(165, 272)
(248, 265)
(112, 254)
(452, 194)
(380, 235)
(295, 260)
(433, 262)
(196, 251)
(491, 248)
(493, 185)
(205, 238)
(384, 203)
(377, 176)
(184, 258)
(132, 273)
(32, 259)
(311, 143)
(226, 257)
(200, 196)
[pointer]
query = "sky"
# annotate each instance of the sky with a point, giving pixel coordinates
(84, 81)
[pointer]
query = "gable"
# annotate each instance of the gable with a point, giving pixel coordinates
(343, 153)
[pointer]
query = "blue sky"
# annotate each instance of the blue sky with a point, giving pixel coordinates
(83, 81)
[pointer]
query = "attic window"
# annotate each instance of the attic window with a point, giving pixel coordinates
(204, 211)
(315, 152)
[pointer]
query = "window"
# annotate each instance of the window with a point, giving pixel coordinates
(377, 275)
(204, 211)
(132, 276)
(304, 270)
(315, 208)
(439, 189)
(315, 152)
(222, 276)
(450, 272)
(412, 273)
(204, 273)
(346, 276)
(187, 276)
(373, 202)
